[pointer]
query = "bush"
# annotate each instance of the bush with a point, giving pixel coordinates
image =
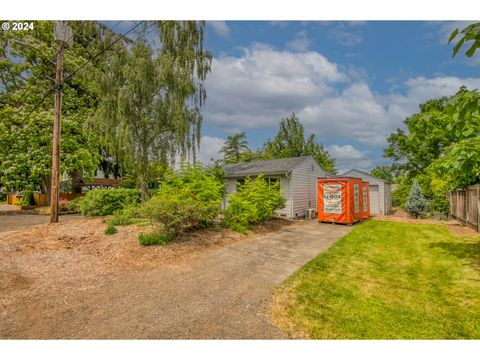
(416, 203)
(206, 185)
(439, 203)
(74, 204)
(154, 238)
(106, 202)
(400, 195)
(254, 202)
(178, 210)
(126, 216)
(111, 230)
(27, 198)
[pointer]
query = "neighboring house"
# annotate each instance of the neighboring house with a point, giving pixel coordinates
(380, 191)
(297, 176)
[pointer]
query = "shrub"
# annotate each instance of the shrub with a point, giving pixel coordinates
(154, 238)
(126, 216)
(178, 210)
(74, 204)
(106, 202)
(254, 202)
(206, 185)
(27, 198)
(63, 204)
(111, 230)
(416, 203)
(439, 203)
(400, 195)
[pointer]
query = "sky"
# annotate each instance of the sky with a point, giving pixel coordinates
(352, 83)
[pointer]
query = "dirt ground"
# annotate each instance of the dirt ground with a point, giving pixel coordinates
(56, 278)
(400, 215)
(23, 221)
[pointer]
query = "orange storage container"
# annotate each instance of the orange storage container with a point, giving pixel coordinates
(341, 200)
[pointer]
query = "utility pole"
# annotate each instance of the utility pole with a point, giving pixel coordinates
(63, 37)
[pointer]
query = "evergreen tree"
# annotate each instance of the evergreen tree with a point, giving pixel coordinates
(416, 203)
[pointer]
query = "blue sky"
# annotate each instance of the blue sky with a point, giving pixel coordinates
(351, 83)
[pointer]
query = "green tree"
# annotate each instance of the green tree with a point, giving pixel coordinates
(386, 172)
(469, 33)
(444, 131)
(416, 203)
(290, 141)
(235, 146)
(26, 70)
(151, 100)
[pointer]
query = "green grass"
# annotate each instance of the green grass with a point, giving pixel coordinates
(386, 280)
(154, 238)
(111, 230)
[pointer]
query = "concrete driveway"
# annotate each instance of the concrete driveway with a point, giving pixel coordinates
(221, 294)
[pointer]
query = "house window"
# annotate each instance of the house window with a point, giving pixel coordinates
(239, 183)
(272, 181)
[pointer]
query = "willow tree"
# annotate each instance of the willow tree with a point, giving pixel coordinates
(150, 112)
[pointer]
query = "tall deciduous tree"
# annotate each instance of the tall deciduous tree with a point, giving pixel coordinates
(290, 141)
(235, 147)
(26, 70)
(386, 172)
(150, 109)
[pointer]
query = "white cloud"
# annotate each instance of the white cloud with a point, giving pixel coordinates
(220, 27)
(301, 43)
(347, 157)
(264, 85)
(209, 148)
(344, 36)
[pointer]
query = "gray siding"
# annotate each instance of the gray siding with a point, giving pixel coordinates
(384, 190)
(304, 186)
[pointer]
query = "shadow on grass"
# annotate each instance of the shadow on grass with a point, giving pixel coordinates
(470, 251)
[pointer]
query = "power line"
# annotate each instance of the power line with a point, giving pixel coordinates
(80, 67)
(102, 51)
(52, 61)
(39, 103)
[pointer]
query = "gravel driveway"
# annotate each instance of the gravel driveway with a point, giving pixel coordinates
(220, 294)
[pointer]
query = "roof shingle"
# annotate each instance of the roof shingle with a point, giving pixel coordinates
(267, 167)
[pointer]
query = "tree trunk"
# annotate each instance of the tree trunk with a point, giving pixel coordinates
(143, 187)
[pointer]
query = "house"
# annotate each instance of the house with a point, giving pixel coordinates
(297, 176)
(380, 191)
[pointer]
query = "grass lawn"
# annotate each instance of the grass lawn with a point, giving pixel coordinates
(386, 280)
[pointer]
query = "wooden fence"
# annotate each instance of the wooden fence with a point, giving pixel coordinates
(465, 206)
(41, 199)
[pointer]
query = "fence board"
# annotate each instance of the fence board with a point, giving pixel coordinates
(465, 206)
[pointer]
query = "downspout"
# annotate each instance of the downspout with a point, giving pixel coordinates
(290, 192)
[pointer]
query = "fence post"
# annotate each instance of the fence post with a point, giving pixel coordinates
(478, 208)
(467, 200)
